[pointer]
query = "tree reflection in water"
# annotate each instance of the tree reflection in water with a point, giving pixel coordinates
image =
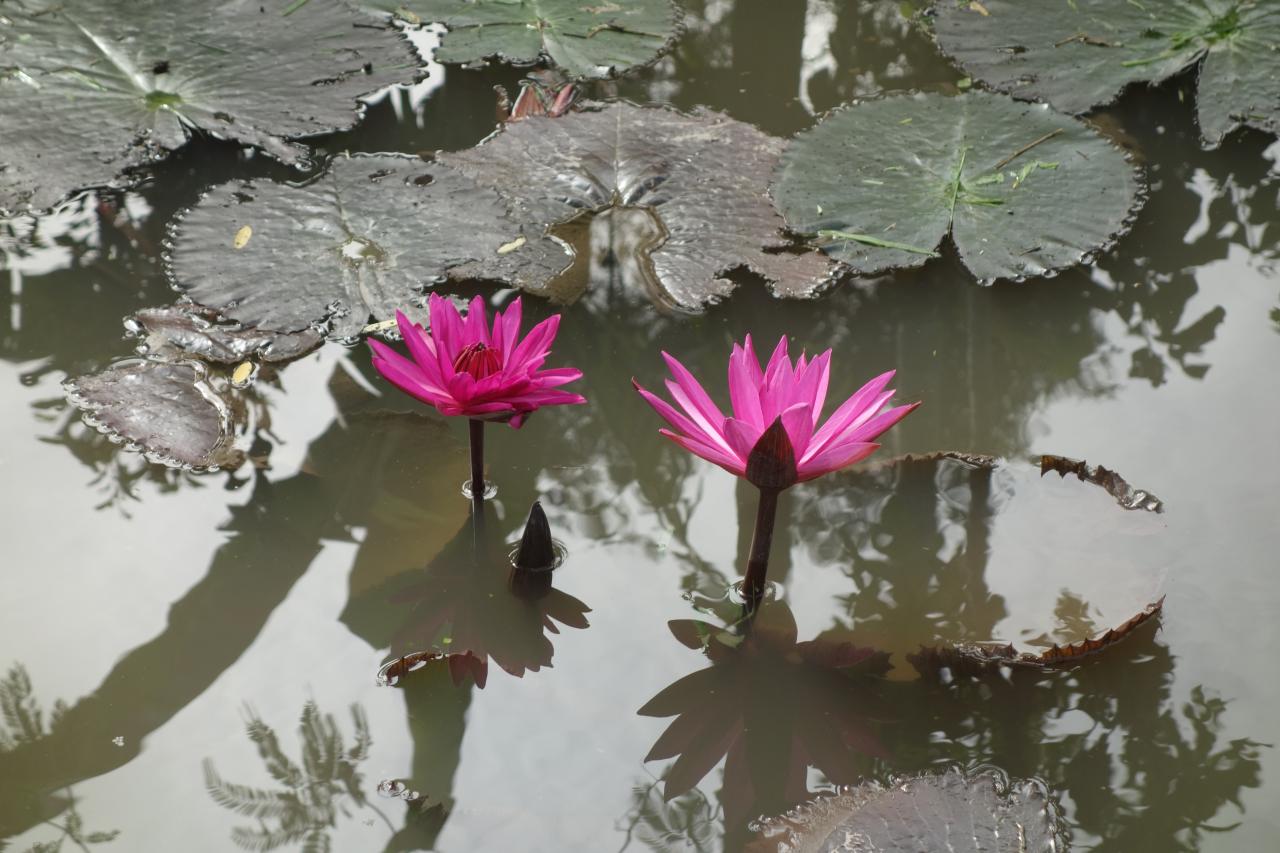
(22, 721)
(310, 796)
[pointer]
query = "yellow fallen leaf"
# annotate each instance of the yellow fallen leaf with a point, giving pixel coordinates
(975, 6)
(242, 236)
(506, 248)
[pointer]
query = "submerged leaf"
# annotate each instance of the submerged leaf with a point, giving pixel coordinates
(93, 88)
(196, 331)
(977, 812)
(587, 38)
(990, 562)
(362, 240)
(1022, 191)
(1081, 54)
(702, 175)
(165, 409)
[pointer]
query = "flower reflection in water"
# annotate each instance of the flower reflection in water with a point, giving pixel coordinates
(772, 706)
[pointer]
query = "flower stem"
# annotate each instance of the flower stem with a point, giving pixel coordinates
(761, 542)
(477, 462)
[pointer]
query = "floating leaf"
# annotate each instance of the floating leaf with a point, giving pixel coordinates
(167, 410)
(1081, 54)
(1022, 190)
(587, 38)
(977, 812)
(198, 332)
(365, 238)
(992, 562)
(93, 88)
(702, 175)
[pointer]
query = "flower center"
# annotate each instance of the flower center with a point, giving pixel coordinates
(478, 360)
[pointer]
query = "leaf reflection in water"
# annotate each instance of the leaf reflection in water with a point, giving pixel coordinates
(308, 797)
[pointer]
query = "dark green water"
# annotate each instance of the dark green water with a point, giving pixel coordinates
(166, 609)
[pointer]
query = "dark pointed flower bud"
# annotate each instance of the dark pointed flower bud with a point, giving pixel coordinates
(771, 465)
(537, 552)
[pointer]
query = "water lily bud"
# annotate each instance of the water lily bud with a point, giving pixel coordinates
(537, 552)
(771, 464)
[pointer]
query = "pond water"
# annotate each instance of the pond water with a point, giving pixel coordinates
(184, 634)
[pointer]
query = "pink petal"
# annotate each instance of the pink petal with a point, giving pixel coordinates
(506, 329)
(707, 452)
(532, 351)
(669, 413)
(423, 351)
(446, 333)
(836, 457)
(744, 391)
(742, 436)
(752, 363)
(851, 410)
(707, 427)
(868, 430)
(403, 373)
(798, 422)
(475, 329)
(556, 376)
(773, 393)
(694, 398)
(822, 366)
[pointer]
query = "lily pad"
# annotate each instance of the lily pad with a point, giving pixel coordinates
(976, 812)
(349, 248)
(198, 332)
(703, 175)
(91, 89)
(966, 558)
(1022, 190)
(1081, 54)
(163, 409)
(587, 39)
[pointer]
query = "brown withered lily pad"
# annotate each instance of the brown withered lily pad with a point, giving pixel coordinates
(198, 332)
(92, 89)
(347, 249)
(977, 812)
(163, 409)
(965, 562)
(703, 175)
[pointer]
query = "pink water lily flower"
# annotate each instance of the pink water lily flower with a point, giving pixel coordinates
(462, 367)
(773, 437)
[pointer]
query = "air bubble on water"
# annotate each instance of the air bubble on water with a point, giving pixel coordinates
(395, 789)
(490, 491)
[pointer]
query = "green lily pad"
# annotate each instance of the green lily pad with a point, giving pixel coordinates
(982, 810)
(1079, 54)
(586, 38)
(1023, 191)
(704, 176)
(93, 88)
(349, 248)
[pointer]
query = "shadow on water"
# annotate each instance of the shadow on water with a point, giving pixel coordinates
(1132, 766)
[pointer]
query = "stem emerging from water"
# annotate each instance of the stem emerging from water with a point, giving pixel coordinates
(477, 462)
(761, 542)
